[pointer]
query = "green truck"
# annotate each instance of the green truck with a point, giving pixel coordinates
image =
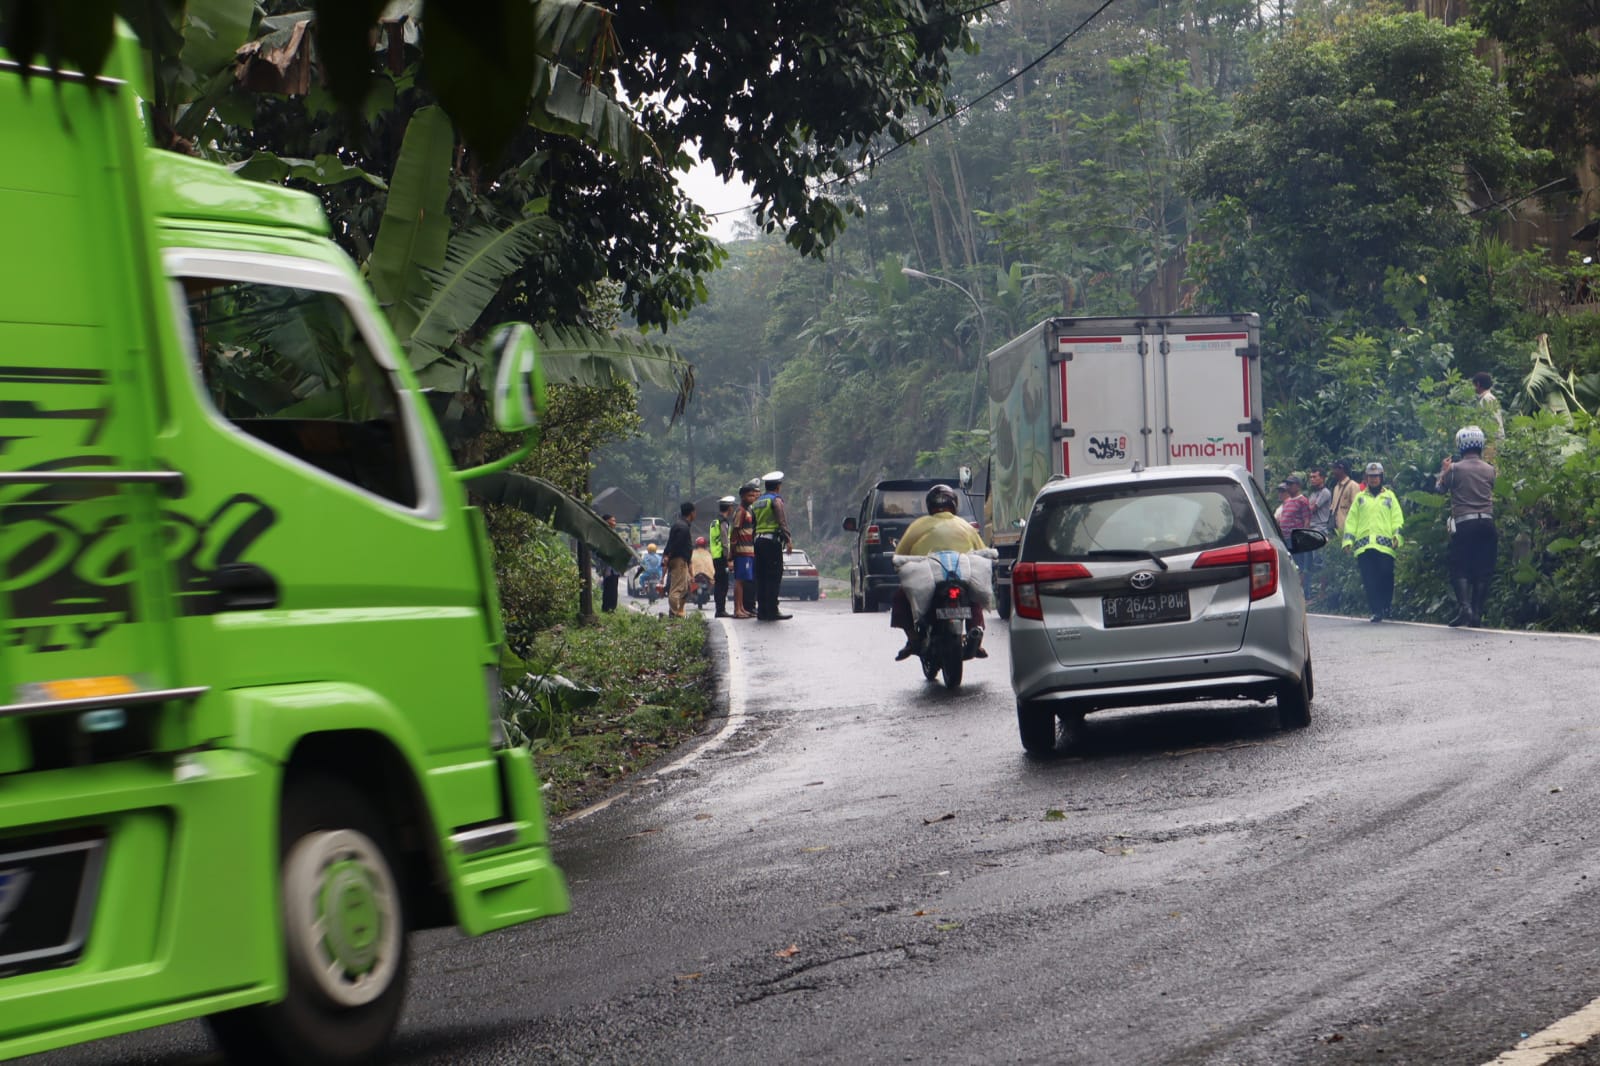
(249, 731)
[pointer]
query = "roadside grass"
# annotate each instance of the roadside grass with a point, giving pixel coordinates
(655, 688)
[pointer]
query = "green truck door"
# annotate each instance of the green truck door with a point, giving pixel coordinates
(329, 552)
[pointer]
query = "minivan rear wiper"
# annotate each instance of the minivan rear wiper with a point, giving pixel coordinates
(1125, 553)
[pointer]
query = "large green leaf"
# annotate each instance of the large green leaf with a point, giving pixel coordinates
(213, 30)
(415, 231)
(564, 103)
(325, 169)
(556, 508)
(580, 356)
(476, 265)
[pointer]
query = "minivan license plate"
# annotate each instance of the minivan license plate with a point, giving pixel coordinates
(1145, 608)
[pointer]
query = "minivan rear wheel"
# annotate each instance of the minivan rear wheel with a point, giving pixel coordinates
(1294, 701)
(1037, 725)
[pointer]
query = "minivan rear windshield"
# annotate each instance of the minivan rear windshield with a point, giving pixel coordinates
(1155, 519)
(913, 503)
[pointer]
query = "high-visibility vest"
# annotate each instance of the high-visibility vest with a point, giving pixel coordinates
(1374, 523)
(766, 513)
(716, 537)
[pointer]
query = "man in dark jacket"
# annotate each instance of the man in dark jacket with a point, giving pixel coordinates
(1473, 541)
(680, 549)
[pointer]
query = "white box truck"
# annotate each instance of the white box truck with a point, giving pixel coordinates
(1080, 395)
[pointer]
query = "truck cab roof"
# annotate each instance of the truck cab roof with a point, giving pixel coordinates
(185, 189)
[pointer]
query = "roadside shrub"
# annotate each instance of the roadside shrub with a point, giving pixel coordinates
(536, 572)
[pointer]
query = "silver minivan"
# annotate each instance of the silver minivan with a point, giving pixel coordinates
(1155, 586)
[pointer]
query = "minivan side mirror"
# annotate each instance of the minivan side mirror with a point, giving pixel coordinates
(850, 524)
(1306, 540)
(519, 397)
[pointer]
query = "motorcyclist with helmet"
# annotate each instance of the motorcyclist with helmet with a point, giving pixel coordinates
(941, 529)
(650, 567)
(1473, 539)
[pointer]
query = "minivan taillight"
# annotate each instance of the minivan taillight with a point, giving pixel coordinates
(1026, 579)
(1259, 555)
(872, 533)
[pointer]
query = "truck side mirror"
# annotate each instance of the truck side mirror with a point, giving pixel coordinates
(965, 476)
(519, 397)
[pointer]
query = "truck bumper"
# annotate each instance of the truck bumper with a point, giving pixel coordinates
(504, 873)
(179, 907)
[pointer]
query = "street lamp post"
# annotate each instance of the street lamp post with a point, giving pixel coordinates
(983, 332)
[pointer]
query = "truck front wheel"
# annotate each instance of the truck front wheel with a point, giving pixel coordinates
(344, 936)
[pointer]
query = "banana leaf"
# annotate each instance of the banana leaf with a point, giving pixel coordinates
(477, 264)
(414, 234)
(579, 356)
(557, 508)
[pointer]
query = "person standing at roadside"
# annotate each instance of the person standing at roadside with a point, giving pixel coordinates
(1483, 385)
(1473, 539)
(609, 576)
(1344, 491)
(680, 549)
(743, 543)
(1372, 531)
(1297, 513)
(721, 535)
(1321, 498)
(772, 537)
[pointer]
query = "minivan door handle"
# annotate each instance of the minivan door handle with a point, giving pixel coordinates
(244, 587)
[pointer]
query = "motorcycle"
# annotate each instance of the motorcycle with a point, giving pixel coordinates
(943, 642)
(700, 590)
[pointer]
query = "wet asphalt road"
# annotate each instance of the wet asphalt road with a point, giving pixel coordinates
(871, 870)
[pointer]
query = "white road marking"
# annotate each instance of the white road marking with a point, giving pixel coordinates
(730, 726)
(1573, 1031)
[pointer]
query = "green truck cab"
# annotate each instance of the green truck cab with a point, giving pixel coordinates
(249, 635)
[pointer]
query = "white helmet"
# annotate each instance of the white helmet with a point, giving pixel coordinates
(1375, 468)
(1470, 439)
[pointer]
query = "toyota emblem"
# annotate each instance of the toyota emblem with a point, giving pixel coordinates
(1142, 579)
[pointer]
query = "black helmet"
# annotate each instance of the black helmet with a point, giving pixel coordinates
(941, 498)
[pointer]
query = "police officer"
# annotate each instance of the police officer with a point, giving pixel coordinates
(772, 537)
(721, 533)
(1473, 539)
(1372, 531)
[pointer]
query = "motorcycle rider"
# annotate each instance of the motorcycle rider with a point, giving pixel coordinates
(941, 529)
(650, 572)
(1473, 540)
(700, 566)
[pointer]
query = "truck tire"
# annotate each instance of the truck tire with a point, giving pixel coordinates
(345, 945)
(1037, 725)
(1294, 701)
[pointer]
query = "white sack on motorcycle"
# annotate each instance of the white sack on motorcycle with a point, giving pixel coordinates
(919, 573)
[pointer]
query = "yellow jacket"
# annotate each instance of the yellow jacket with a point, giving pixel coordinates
(1374, 522)
(943, 531)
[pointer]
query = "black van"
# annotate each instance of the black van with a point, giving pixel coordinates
(886, 510)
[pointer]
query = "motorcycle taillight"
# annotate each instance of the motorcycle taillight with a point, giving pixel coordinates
(955, 592)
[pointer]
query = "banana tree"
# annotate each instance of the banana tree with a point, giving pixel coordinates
(435, 286)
